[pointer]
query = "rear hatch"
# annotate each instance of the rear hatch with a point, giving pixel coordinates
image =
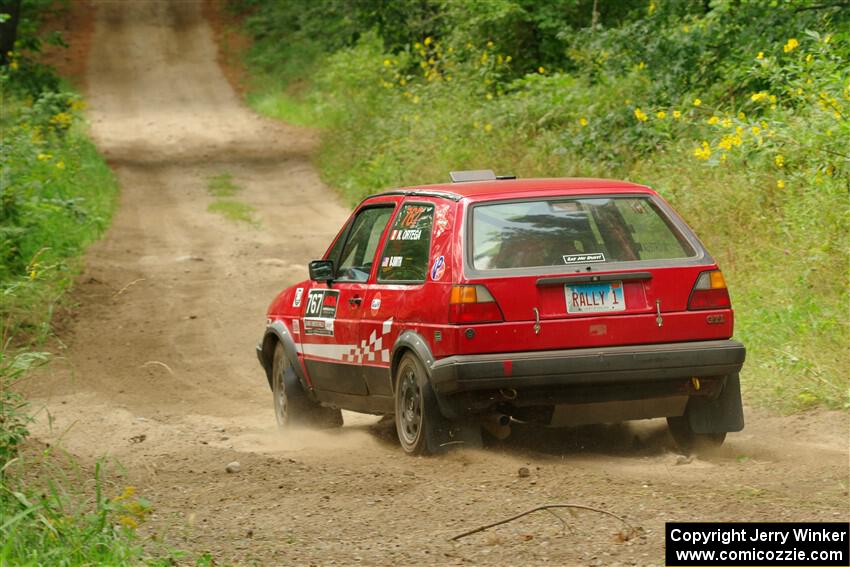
(594, 270)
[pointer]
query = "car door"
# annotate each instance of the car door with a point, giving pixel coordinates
(332, 313)
(398, 297)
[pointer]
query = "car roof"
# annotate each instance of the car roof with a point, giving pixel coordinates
(518, 188)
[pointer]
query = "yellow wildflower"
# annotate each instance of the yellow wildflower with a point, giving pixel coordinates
(661, 115)
(742, 116)
(387, 63)
(641, 66)
(780, 184)
(703, 152)
(760, 56)
(697, 102)
(583, 122)
(417, 46)
(725, 143)
(508, 59)
(779, 161)
(33, 274)
(500, 59)
(677, 114)
(809, 58)
(755, 97)
(756, 130)
(128, 522)
(641, 115)
(651, 8)
(44, 157)
(488, 127)
(541, 70)
(428, 41)
(713, 120)
(416, 99)
(772, 99)
(60, 164)
(489, 96)
(727, 123)
(13, 65)
(128, 492)
(791, 45)
(402, 81)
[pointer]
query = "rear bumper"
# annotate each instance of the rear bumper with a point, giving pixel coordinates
(610, 366)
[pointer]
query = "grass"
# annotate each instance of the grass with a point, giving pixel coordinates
(235, 211)
(223, 187)
(282, 106)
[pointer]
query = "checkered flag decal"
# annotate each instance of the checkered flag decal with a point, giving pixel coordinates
(369, 351)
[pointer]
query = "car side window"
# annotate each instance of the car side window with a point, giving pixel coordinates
(405, 257)
(358, 253)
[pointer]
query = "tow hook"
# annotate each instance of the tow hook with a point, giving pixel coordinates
(536, 321)
(658, 319)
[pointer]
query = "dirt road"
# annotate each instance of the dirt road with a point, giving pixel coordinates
(158, 370)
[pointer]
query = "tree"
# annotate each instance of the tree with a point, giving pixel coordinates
(10, 12)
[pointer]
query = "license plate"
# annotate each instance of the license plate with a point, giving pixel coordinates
(595, 298)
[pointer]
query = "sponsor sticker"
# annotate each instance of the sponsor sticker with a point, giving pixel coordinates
(442, 222)
(299, 293)
(376, 303)
(584, 258)
(296, 327)
(392, 261)
(439, 268)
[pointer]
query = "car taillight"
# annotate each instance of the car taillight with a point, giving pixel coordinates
(473, 304)
(709, 292)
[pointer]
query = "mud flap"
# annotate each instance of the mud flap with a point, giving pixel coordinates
(722, 414)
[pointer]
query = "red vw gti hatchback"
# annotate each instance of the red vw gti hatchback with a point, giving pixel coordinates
(490, 301)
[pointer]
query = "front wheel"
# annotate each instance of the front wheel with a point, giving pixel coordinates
(292, 406)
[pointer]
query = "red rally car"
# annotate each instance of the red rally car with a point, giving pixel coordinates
(492, 300)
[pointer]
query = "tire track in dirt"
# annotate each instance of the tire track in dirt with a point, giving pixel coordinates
(172, 303)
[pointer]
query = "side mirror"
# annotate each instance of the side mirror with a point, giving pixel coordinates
(322, 271)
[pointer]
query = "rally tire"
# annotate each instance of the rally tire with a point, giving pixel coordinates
(687, 440)
(292, 406)
(421, 427)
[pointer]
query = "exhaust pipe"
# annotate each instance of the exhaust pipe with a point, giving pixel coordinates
(497, 424)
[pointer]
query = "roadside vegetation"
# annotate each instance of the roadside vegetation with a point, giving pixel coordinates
(224, 189)
(56, 197)
(738, 112)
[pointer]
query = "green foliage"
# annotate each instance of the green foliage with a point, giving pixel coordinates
(72, 520)
(56, 197)
(736, 111)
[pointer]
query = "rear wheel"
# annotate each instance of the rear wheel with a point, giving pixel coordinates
(422, 429)
(688, 440)
(292, 406)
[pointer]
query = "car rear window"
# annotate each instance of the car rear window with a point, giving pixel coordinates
(552, 232)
